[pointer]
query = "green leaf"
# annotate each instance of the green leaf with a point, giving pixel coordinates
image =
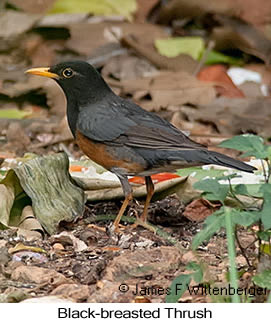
(263, 279)
(251, 144)
(266, 208)
(13, 114)
(200, 173)
(264, 235)
(215, 57)
(212, 225)
(174, 46)
(178, 287)
(244, 218)
(241, 189)
(123, 8)
(198, 273)
(212, 190)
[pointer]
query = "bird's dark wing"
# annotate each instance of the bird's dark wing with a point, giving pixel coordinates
(123, 122)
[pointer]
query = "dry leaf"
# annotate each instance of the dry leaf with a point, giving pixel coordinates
(169, 88)
(38, 275)
(68, 238)
(217, 75)
(199, 210)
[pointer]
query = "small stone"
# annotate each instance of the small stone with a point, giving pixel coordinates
(58, 246)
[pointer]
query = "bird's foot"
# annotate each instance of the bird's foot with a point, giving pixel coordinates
(143, 224)
(119, 228)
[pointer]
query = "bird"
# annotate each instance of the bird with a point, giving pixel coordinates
(125, 139)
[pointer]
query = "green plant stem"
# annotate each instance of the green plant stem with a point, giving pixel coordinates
(231, 253)
(264, 172)
(268, 169)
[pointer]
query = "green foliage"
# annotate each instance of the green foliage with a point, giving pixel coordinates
(251, 144)
(212, 224)
(178, 288)
(97, 7)
(200, 173)
(174, 46)
(193, 46)
(263, 279)
(265, 213)
(212, 189)
(13, 114)
(241, 189)
(215, 57)
(181, 283)
(245, 216)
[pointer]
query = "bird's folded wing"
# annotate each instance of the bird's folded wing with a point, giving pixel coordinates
(141, 136)
(134, 128)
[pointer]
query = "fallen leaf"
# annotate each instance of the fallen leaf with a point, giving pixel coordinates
(174, 46)
(33, 6)
(199, 210)
(254, 12)
(13, 200)
(182, 62)
(29, 226)
(178, 9)
(68, 238)
(171, 88)
(14, 23)
(127, 67)
(13, 113)
(38, 275)
(214, 57)
(103, 33)
(144, 8)
(217, 75)
(97, 7)
(233, 116)
(239, 34)
(20, 246)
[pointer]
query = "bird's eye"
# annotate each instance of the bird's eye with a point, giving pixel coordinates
(68, 72)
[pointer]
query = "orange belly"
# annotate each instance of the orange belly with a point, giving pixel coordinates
(99, 154)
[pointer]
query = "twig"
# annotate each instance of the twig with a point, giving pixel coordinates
(243, 251)
(210, 46)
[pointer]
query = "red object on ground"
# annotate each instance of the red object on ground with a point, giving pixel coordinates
(224, 85)
(156, 178)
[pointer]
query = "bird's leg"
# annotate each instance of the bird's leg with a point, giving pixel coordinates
(142, 221)
(128, 197)
(150, 191)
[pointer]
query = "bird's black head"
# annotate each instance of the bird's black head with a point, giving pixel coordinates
(80, 81)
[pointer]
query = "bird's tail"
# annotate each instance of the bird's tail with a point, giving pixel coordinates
(205, 157)
(223, 160)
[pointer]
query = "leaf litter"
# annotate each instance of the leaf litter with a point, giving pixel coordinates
(82, 260)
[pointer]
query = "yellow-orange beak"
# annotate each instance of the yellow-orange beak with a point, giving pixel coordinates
(42, 71)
